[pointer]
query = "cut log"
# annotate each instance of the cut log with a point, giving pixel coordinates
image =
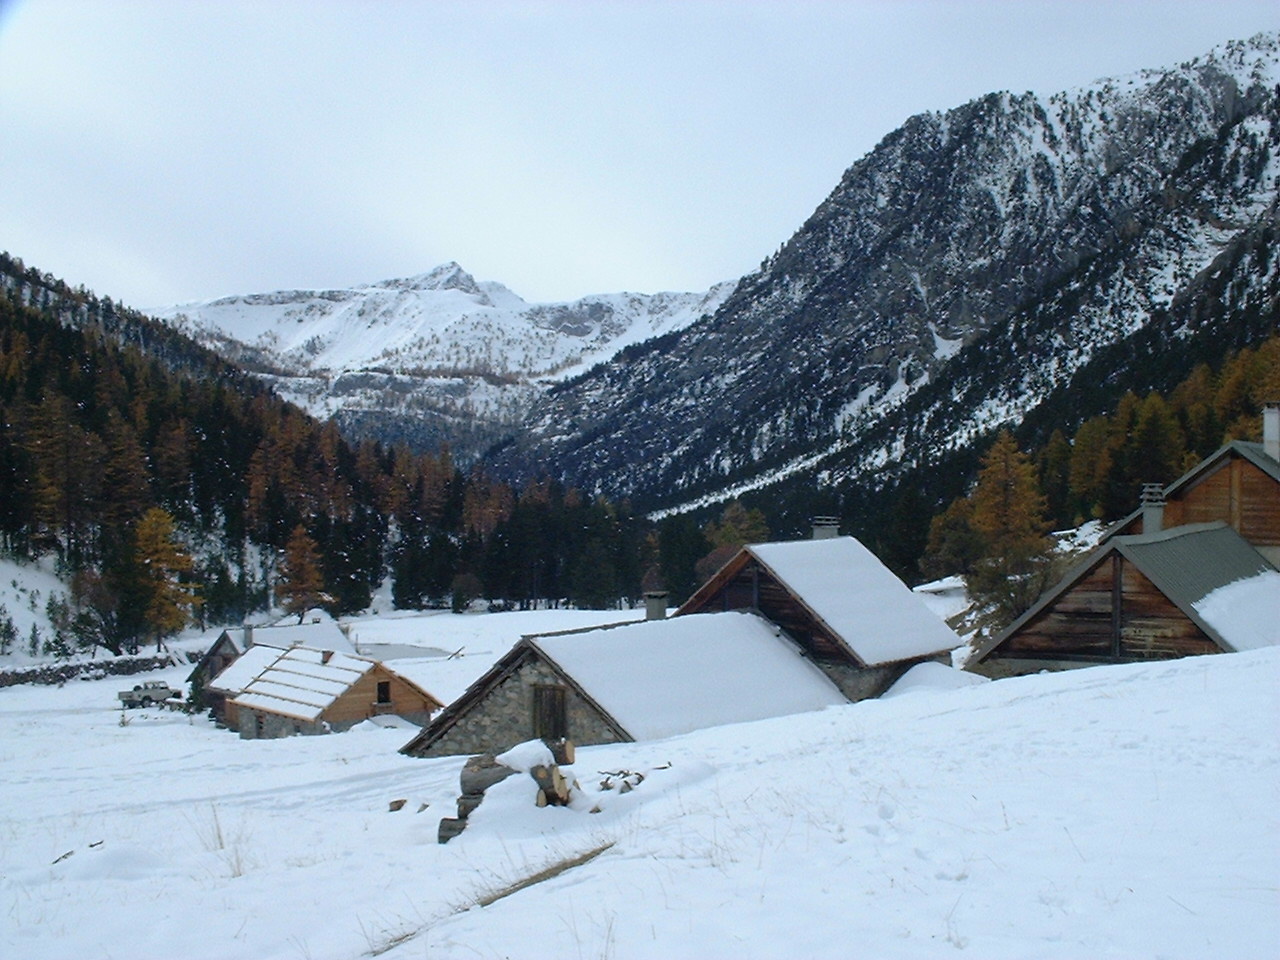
(450, 828)
(467, 803)
(561, 752)
(396, 805)
(552, 783)
(482, 772)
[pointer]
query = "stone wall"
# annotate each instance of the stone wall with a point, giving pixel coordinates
(861, 683)
(58, 673)
(504, 717)
(274, 725)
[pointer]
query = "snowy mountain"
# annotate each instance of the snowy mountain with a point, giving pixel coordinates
(957, 279)
(434, 358)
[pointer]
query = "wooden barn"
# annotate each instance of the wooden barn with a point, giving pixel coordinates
(1238, 485)
(220, 683)
(302, 690)
(1138, 596)
(1193, 589)
(223, 652)
(632, 681)
(854, 619)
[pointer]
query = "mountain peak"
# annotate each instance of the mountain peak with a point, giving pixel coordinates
(447, 276)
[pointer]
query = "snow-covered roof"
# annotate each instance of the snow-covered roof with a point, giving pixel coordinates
(247, 666)
(858, 598)
(302, 682)
(660, 678)
(322, 635)
(1246, 613)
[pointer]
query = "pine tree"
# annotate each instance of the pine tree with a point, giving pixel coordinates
(954, 546)
(8, 631)
(301, 583)
(1158, 446)
(737, 527)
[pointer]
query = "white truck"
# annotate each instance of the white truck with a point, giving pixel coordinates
(145, 694)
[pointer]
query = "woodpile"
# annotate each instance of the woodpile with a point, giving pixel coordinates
(483, 771)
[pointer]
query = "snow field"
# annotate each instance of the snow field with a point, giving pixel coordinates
(1110, 812)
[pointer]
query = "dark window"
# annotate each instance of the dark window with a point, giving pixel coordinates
(550, 721)
(384, 691)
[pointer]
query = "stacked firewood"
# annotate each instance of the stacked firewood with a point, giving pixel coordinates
(483, 771)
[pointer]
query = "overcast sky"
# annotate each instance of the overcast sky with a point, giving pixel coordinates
(159, 151)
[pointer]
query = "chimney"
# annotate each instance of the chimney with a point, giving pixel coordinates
(655, 604)
(826, 528)
(1152, 508)
(1271, 430)
(248, 635)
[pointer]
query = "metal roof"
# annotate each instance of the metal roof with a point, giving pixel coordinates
(1189, 562)
(302, 682)
(1185, 563)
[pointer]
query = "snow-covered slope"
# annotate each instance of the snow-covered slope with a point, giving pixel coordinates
(437, 344)
(1123, 811)
(969, 266)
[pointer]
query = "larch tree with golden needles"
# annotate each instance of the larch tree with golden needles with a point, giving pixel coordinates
(161, 561)
(301, 583)
(1008, 512)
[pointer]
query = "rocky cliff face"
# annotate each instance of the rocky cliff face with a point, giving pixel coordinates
(973, 262)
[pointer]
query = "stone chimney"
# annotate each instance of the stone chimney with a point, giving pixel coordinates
(655, 604)
(1271, 430)
(1152, 508)
(826, 528)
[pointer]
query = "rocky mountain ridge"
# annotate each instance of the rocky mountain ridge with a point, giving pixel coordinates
(438, 358)
(961, 273)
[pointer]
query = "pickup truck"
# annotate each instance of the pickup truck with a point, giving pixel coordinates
(145, 694)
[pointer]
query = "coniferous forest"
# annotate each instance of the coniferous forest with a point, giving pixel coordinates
(169, 486)
(114, 427)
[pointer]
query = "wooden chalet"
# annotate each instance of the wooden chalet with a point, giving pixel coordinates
(632, 681)
(302, 690)
(223, 652)
(853, 618)
(220, 683)
(1239, 484)
(1141, 594)
(1152, 596)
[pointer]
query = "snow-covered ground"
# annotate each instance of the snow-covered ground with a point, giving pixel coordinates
(1110, 812)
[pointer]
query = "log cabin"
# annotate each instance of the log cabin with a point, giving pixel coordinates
(302, 690)
(1143, 593)
(630, 681)
(1193, 589)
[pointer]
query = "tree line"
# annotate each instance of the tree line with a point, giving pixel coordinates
(167, 487)
(996, 534)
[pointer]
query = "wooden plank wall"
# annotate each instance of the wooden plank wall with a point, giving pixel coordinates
(754, 583)
(1112, 613)
(1239, 494)
(1151, 626)
(1078, 624)
(360, 701)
